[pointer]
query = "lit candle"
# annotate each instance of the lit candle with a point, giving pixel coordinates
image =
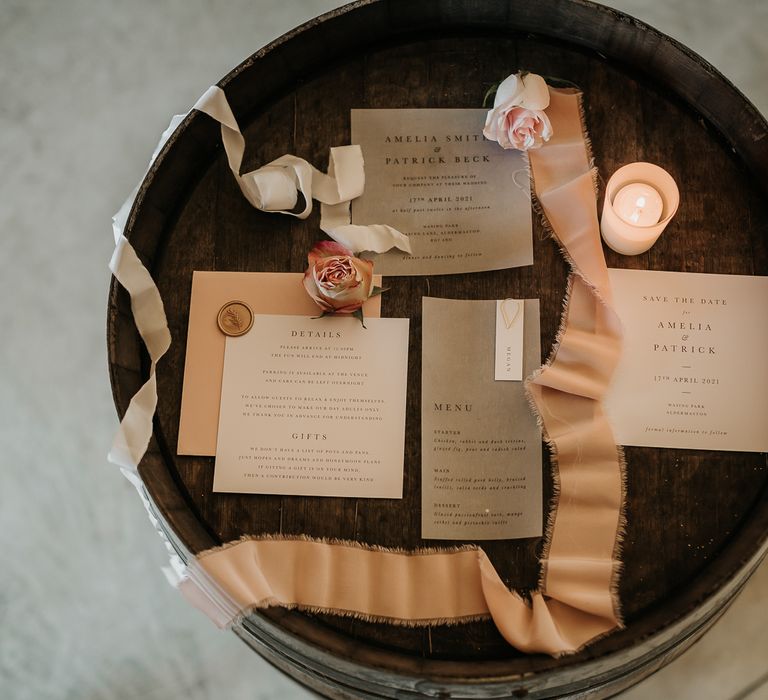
(640, 200)
(639, 204)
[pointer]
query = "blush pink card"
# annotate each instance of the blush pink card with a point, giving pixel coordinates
(279, 293)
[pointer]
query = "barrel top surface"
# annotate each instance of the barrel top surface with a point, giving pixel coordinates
(694, 517)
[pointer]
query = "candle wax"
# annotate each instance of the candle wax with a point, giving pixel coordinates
(638, 204)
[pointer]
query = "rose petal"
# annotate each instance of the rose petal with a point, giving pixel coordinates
(365, 271)
(340, 294)
(509, 89)
(490, 131)
(546, 131)
(311, 287)
(496, 130)
(535, 93)
(363, 266)
(504, 141)
(527, 129)
(326, 249)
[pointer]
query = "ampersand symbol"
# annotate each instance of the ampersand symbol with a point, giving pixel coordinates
(685, 337)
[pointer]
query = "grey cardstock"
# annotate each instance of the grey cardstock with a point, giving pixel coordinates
(481, 446)
(464, 202)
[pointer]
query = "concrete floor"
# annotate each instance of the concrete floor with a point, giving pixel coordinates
(85, 90)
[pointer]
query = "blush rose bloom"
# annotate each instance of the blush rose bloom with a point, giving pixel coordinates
(517, 119)
(337, 281)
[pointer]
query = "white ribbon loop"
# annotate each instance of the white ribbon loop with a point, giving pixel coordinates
(376, 238)
(275, 187)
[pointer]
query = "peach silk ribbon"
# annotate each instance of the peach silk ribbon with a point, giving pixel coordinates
(577, 600)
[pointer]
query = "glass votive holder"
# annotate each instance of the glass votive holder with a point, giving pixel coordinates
(640, 200)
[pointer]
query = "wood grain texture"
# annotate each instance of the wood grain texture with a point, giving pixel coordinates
(694, 516)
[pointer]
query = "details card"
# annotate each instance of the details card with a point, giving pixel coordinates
(314, 407)
(481, 447)
(265, 293)
(464, 202)
(693, 373)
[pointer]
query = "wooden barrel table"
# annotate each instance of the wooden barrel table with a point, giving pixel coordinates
(697, 520)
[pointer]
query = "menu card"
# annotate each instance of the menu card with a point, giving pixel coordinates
(481, 447)
(693, 373)
(464, 202)
(314, 407)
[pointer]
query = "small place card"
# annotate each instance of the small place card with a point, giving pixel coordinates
(464, 201)
(481, 447)
(510, 315)
(314, 407)
(693, 372)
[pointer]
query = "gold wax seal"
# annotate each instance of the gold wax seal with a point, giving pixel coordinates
(235, 318)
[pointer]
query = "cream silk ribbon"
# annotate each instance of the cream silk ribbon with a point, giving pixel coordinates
(577, 600)
(275, 187)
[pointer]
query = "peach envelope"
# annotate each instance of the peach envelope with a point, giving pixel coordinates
(266, 293)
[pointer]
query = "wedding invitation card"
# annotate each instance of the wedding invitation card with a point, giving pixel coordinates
(464, 202)
(693, 373)
(481, 448)
(265, 293)
(314, 407)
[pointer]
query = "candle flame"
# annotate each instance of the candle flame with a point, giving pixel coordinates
(640, 202)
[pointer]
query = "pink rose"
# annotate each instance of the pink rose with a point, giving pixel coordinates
(517, 119)
(337, 281)
(525, 129)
